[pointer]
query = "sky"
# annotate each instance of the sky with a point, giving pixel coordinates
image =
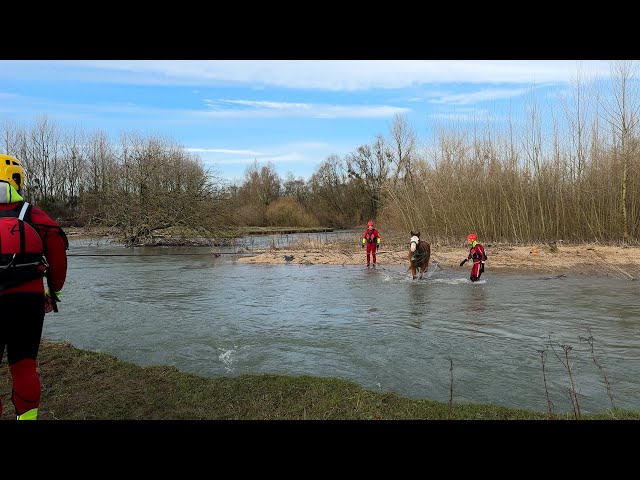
(292, 114)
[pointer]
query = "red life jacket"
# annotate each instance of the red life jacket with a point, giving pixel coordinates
(21, 248)
(477, 253)
(371, 236)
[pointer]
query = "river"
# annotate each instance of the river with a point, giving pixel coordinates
(214, 316)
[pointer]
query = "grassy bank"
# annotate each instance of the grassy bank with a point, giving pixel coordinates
(80, 384)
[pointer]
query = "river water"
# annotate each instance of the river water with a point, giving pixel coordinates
(214, 316)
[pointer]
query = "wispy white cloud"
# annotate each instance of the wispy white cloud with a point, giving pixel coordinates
(39, 105)
(463, 115)
(296, 156)
(329, 75)
(352, 111)
(261, 109)
(269, 105)
(484, 95)
(226, 151)
(287, 157)
(288, 151)
(240, 109)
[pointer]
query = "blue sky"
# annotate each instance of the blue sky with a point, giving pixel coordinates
(291, 113)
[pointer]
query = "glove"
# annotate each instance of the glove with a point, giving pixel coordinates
(377, 247)
(363, 245)
(49, 304)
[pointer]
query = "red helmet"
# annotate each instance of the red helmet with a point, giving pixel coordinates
(472, 237)
(370, 224)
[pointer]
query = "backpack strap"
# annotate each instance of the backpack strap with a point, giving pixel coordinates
(23, 212)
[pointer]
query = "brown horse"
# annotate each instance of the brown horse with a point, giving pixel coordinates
(419, 255)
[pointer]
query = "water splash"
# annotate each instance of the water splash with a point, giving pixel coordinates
(227, 357)
(455, 281)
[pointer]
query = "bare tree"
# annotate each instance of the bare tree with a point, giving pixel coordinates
(403, 140)
(621, 111)
(295, 188)
(534, 156)
(262, 183)
(335, 198)
(74, 164)
(9, 138)
(43, 161)
(164, 188)
(369, 167)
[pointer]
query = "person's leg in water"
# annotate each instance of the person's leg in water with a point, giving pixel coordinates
(475, 272)
(371, 251)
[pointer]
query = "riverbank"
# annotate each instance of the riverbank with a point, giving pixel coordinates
(84, 385)
(556, 259)
(619, 261)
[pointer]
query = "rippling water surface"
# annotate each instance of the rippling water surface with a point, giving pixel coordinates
(214, 316)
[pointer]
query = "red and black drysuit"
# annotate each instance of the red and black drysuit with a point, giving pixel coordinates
(371, 239)
(22, 295)
(478, 255)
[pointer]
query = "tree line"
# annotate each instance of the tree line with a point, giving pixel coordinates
(572, 174)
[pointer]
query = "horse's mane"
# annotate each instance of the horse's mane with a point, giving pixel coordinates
(421, 242)
(423, 246)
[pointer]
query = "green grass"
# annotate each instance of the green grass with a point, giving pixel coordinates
(79, 384)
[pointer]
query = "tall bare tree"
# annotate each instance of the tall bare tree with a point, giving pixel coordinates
(296, 188)
(534, 155)
(43, 161)
(74, 164)
(369, 167)
(403, 142)
(621, 112)
(335, 199)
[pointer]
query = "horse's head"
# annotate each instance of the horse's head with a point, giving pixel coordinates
(415, 240)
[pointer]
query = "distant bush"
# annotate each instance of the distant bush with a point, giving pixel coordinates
(287, 212)
(250, 215)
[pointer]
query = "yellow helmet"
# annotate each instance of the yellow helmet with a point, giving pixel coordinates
(11, 171)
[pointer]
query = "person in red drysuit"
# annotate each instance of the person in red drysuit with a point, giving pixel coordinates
(371, 239)
(478, 255)
(32, 246)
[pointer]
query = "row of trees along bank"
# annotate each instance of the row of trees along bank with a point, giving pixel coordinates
(572, 173)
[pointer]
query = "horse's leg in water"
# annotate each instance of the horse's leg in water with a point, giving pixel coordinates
(412, 266)
(424, 263)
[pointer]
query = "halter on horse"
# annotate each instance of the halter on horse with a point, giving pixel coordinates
(419, 255)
